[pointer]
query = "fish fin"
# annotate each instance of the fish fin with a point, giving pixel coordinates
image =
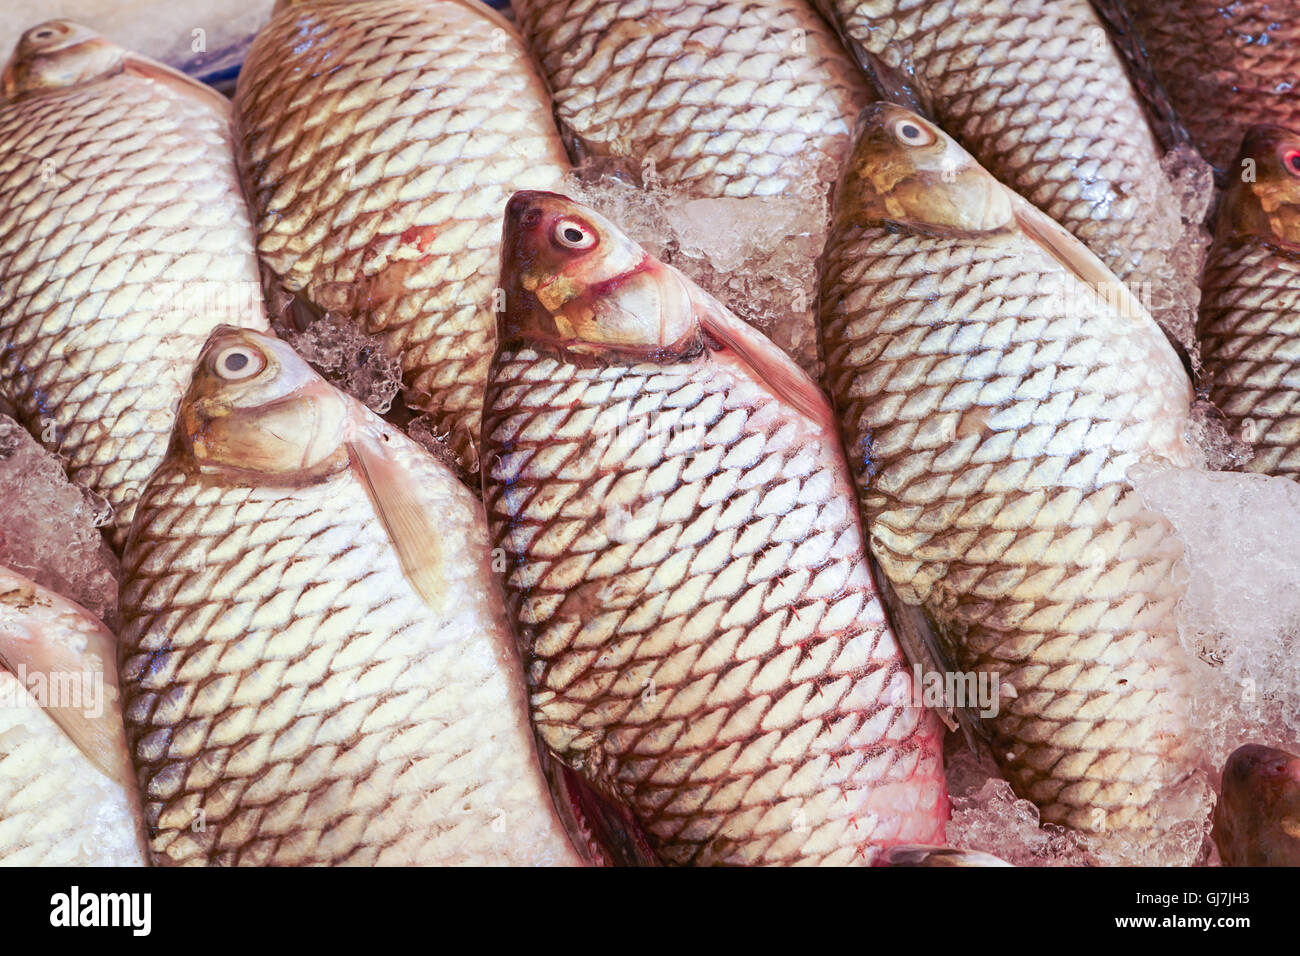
(927, 645)
(604, 833)
(1127, 41)
(142, 66)
(917, 855)
(765, 361)
(1083, 263)
(100, 738)
(404, 517)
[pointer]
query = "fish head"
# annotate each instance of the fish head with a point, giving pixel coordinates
(1263, 194)
(1258, 814)
(255, 406)
(58, 54)
(574, 280)
(906, 171)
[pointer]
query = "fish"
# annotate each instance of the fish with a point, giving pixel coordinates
(1250, 301)
(1036, 92)
(992, 398)
(124, 240)
(709, 99)
(67, 794)
(1224, 66)
(683, 561)
(316, 667)
(379, 143)
(1257, 818)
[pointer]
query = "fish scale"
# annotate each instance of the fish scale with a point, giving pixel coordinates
(992, 476)
(735, 99)
(120, 198)
(283, 686)
(1037, 94)
(1225, 66)
(380, 142)
(1250, 317)
(701, 633)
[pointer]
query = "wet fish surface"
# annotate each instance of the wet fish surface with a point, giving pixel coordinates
(702, 637)
(1250, 306)
(739, 98)
(67, 797)
(316, 665)
(1257, 818)
(1037, 94)
(379, 142)
(124, 240)
(992, 403)
(1225, 66)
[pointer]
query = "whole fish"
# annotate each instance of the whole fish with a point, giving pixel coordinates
(702, 637)
(124, 241)
(992, 402)
(1257, 818)
(1225, 66)
(1250, 304)
(316, 665)
(379, 142)
(1035, 91)
(67, 797)
(737, 98)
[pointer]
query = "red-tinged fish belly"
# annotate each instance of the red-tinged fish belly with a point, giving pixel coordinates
(702, 636)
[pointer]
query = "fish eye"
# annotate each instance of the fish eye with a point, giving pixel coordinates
(573, 234)
(1291, 160)
(911, 133)
(239, 362)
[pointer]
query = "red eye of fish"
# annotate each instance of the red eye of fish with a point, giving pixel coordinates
(1291, 160)
(239, 362)
(573, 235)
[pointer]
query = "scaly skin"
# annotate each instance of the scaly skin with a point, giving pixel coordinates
(57, 806)
(380, 142)
(1034, 90)
(1250, 307)
(286, 686)
(735, 98)
(1225, 66)
(124, 241)
(992, 406)
(685, 565)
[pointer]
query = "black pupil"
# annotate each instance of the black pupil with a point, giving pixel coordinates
(910, 132)
(1293, 160)
(236, 361)
(572, 234)
(44, 34)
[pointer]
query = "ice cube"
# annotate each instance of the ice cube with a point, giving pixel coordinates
(49, 526)
(1240, 617)
(358, 363)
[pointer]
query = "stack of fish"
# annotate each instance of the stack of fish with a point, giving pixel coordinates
(646, 592)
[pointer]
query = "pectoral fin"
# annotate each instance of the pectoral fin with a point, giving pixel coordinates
(926, 645)
(405, 518)
(765, 362)
(75, 658)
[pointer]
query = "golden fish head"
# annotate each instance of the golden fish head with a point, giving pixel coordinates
(573, 279)
(58, 54)
(254, 406)
(1263, 194)
(904, 170)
